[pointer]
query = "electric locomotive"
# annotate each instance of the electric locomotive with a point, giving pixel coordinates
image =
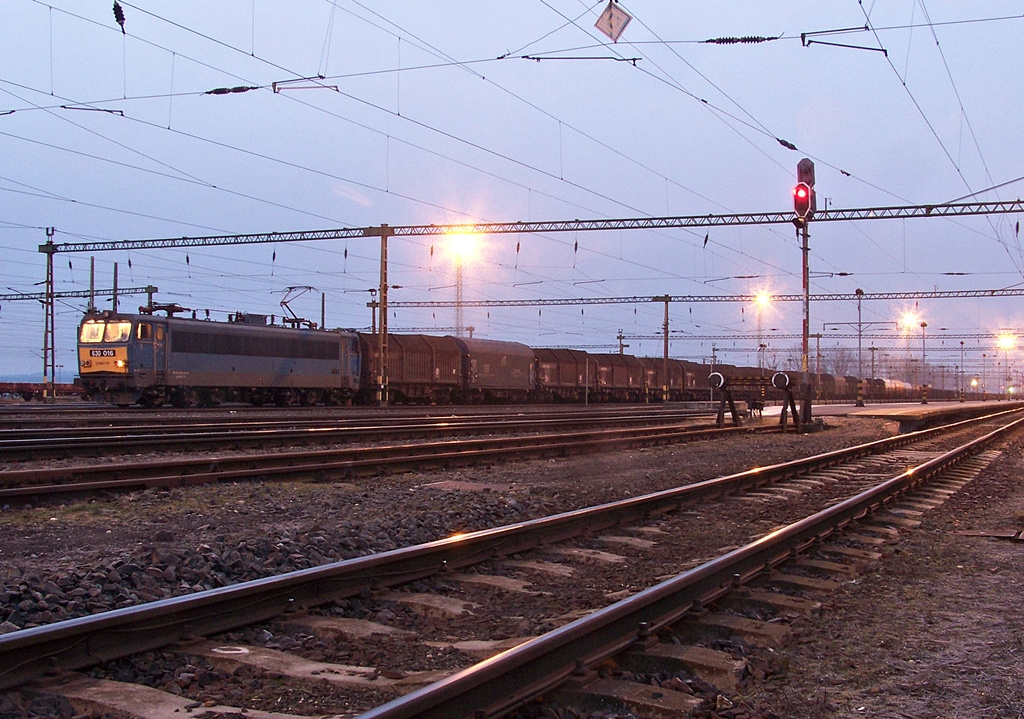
(125, 359)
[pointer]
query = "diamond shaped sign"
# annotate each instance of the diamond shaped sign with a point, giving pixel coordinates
(613, 21)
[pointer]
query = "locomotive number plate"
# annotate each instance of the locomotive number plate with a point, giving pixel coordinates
(101, 353)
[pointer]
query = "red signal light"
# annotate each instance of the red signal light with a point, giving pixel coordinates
(802, 200)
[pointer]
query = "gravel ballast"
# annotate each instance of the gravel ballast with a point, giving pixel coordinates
(933, 630)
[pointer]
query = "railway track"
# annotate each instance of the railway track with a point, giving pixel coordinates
(93, 415)
(239, 432)
(334, 463)
(472, 595)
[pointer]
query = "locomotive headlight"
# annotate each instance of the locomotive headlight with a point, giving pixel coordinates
(121, 364)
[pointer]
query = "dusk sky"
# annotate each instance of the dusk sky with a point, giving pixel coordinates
(430, 113)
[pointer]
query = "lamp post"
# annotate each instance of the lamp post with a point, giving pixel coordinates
(372, 304)
(761, 302)
(924, 368)
(458, 296)
(984, 377)
(665, 389)
(384, 232)
(960, 377)
(860, 351)
(860, 329)
(1006, 343)
(462, 248)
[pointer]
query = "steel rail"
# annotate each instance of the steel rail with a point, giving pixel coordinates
(65, 441)
(320, 463)
(18, 422)
(494, 686)
(85, 641)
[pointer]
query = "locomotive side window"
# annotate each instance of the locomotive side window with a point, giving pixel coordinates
(118, 331)
(145, 331)
(187, 341)
(92, 332)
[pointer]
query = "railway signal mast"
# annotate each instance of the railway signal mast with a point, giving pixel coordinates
(804, 205)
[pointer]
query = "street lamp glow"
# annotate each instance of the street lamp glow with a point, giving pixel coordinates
(909, 321)
(1007, 341)
(761, 302)
(462, 247)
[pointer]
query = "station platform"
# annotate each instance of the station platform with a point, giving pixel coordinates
(911, 417)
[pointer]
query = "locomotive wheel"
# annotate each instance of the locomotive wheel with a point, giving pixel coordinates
(184, 398)
(153, 399)
(209, 398)
(309, 397)
(284, 397)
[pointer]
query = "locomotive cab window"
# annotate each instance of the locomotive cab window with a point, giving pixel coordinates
(92, 332)
(114, 331)
(118, 331)
(145, 331)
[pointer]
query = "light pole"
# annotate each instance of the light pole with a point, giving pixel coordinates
(458, 296)
(924, 368)
(761, 301)
(860, 351)
(960, 377)
(373, 304)
(860, 329)
(384, 232)
(462, 248)
(984, 376)
(1006, 343)
(665, 390)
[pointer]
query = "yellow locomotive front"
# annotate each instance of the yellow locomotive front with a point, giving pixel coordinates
(103, 346)
(104, 368)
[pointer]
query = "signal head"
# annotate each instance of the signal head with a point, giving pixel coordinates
(803, 201)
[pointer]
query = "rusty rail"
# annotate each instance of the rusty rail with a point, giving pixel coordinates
(496, 685)
(330, 463)
(85, 641)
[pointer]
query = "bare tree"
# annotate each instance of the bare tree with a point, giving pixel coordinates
(839, 361)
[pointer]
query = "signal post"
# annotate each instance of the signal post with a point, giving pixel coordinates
(804, 205)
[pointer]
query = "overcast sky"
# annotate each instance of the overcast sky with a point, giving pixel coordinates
(429, 113)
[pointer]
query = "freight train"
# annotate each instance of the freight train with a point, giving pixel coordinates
(150, 360)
